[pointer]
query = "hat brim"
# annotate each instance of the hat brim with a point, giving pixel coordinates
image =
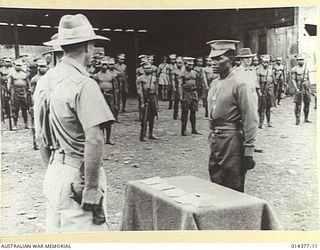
(62, 42)
(246, 56)
(217, 52)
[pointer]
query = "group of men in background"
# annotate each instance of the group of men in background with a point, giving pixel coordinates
(70, 107)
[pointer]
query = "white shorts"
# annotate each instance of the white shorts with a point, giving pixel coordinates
(63, 213)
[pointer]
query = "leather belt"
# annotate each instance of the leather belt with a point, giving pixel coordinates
(66, 159)
(225, 126)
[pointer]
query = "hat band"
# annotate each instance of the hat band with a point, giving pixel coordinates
(83, 31)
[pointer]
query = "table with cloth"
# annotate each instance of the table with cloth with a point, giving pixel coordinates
(147, 208)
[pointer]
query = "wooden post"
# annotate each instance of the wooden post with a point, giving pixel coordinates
(136, 49)
(16, 38)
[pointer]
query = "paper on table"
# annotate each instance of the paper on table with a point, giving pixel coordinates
(162, 186)
(203, 200)
(196, 199)
(176, 192)
(152, 181)
(185, 199)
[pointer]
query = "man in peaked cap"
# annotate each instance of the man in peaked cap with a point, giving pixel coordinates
(123, 78)
(172, 66)
(266, 91)
(108, 85)
(280, 77)
(209, 76)
(5, 95)
(301, 83)
(189, 96)
(147, 91)
(177, 86)
(42, 68)
(75, 183)
(154, 67)
(232, 120)
(163, 78)
(143, 60)
(201, 82)
(19, 87)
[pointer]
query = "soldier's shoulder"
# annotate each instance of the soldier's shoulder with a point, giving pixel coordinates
(140, 77)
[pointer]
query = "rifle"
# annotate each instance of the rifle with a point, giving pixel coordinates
(9, 113)
(8, 105)
(146, 96)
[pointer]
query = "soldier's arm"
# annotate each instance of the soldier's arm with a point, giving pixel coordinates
(139, 90)
(92, 159)
(248, 116)
(172, 79)
(28, 84)
(181, 82)
(205, 81)
(293, 77)
(9, 83)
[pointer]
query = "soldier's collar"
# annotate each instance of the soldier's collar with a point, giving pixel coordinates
(75, 64)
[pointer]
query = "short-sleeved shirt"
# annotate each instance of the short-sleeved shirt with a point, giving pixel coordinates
(76, 104)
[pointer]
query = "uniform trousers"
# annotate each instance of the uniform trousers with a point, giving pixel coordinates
(63, 213)
(226, 158)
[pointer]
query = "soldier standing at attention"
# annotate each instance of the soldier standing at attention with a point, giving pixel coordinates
(5, 95)
(200, 79)
(233, 121)
(19, 87)
(123, 78)
(140, 70)
(266, 98)
(209, 77)
(301, 83)
(116, 83)
(279, 78)
(106, 81)
(163, 79)
(255, 62)
(75, 182)
(147, 91)
(172, 66)
(189, 96)
(42, 69)
(154, 67)
(177, 87)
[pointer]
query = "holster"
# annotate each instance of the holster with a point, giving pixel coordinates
(98, 216)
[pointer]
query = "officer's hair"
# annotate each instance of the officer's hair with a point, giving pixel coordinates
(74, 48)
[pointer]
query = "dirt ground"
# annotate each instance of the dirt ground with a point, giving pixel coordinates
(285, 174)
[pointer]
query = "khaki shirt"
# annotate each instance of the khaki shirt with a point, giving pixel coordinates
(249, 76)
(229, 100)
(75, 105)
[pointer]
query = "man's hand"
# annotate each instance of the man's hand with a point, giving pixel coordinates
(248, 162)
(91, 199)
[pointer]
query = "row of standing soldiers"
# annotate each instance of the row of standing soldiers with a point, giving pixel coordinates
(17, 87)
(178, 81)
(272, 86)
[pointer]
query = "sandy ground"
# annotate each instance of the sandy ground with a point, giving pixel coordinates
(285, 175)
